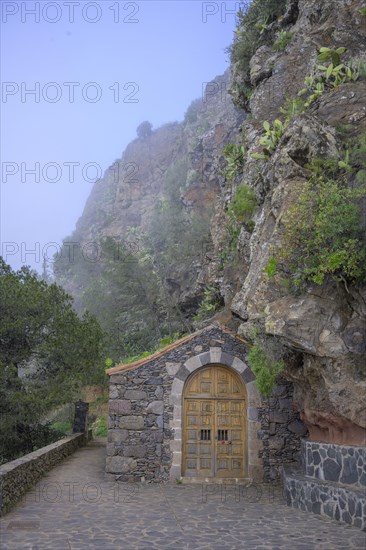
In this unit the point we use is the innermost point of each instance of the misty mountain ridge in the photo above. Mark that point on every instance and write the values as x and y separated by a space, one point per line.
149 217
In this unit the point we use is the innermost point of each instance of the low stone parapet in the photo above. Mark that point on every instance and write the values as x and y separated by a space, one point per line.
331 482
18 476
326 498
343 464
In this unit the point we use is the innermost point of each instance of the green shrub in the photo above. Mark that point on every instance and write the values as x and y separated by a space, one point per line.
144 130
240 212
327 77
101 429
344 129
137 357
323 234
334 56
351 161
271 267
62 426
283 38
235 159
270 139
361 177
357 157
252 31
292 107
265 369
243 203
229 253
254 19
325 167
210 303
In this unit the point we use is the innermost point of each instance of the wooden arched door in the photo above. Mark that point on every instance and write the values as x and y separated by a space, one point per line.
214 424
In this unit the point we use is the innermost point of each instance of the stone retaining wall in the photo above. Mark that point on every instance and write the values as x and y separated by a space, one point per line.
332 482
338 463
18 476
325 498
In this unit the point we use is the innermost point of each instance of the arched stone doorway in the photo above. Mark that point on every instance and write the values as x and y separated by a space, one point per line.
216 356
214 424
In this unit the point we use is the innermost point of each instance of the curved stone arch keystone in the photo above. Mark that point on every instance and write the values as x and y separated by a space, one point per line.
217 356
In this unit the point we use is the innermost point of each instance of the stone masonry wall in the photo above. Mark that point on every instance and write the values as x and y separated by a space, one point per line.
338 463
17 476
140 433
332 482
281 430
325 498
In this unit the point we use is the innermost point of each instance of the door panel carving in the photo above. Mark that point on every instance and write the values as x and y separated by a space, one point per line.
214 443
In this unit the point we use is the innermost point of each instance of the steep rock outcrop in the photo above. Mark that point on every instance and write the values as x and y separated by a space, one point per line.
326 326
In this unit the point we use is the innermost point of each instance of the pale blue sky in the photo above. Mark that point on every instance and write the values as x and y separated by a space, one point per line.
156 55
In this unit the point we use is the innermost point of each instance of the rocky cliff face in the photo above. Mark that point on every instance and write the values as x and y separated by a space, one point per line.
323 325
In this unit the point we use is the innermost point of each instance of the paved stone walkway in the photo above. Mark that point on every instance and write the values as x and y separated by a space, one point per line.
74 508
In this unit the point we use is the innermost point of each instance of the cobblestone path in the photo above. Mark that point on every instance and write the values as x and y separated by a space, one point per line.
74 508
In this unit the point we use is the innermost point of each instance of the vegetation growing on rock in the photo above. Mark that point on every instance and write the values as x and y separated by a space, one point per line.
235 158
255 22
243 203
265 369
323 234
210 303
144 130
